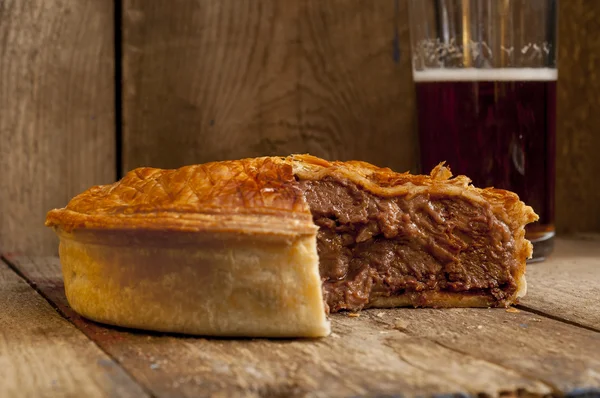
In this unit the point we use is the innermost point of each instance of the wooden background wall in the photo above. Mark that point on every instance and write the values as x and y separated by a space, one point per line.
202 80
57 112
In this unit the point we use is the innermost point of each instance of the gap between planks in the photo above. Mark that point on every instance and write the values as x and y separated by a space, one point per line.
526 308
566 287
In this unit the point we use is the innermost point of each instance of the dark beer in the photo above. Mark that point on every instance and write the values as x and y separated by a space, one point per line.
496 126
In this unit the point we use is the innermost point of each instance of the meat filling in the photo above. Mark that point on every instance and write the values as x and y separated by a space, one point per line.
372 246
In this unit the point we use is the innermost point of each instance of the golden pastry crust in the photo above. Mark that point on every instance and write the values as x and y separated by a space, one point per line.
203 283
174 199
210 196
223 249
229 248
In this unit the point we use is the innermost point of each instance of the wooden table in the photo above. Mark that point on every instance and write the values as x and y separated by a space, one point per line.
548 345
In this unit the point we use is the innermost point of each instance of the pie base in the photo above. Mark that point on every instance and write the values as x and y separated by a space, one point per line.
218 284
438 299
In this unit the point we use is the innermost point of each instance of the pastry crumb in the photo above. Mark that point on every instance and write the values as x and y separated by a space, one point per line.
512 310
401 324
353 315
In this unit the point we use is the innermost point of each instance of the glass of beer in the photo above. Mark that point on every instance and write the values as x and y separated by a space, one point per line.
485 75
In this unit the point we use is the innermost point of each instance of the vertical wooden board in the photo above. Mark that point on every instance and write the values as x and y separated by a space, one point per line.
201 78
221 79
567 284
578 119
356 92
43 355
57 134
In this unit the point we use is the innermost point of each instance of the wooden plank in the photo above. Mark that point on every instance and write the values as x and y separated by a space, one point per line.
578 119
567 285
57 125
565 357
43 355
220 79
381 352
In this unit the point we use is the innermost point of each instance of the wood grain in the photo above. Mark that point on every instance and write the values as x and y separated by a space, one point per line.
380 352
43 355
567 285
578 119
56 111
565 357
220 79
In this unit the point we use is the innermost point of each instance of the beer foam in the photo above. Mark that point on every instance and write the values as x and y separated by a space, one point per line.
489 74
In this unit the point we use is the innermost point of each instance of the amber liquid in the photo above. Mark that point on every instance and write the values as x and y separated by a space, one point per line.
498 129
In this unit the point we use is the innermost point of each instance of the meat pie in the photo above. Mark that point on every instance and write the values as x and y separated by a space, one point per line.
269 246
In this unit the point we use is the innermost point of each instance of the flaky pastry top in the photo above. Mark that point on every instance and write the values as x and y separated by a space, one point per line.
218 195
255 193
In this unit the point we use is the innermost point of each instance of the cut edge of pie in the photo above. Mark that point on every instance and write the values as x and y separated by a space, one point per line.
505 206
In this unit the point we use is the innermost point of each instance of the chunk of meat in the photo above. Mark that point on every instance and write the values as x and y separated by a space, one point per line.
371 246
